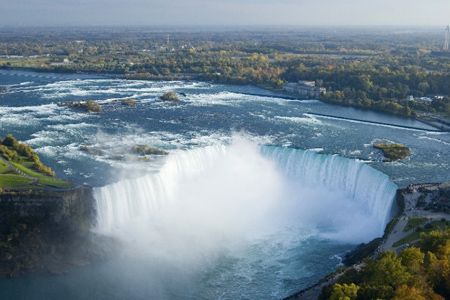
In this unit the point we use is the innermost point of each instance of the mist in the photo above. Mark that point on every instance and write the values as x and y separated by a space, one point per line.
212 202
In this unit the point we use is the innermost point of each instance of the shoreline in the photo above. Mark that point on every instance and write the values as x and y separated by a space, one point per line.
407 199
441 127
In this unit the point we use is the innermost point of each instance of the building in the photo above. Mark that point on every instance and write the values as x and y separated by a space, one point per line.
305 89
410 98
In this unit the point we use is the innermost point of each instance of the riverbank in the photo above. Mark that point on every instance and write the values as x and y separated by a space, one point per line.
412 200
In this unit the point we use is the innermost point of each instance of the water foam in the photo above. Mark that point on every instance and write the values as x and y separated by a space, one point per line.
295 188
363 190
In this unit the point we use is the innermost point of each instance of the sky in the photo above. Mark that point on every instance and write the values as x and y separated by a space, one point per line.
224 12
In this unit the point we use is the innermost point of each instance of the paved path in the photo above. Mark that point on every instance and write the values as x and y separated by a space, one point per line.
409 212
35 181
11 167
396 234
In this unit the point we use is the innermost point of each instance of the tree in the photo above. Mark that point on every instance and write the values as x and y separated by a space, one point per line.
344 292
405 292
387 270
10 141
412 259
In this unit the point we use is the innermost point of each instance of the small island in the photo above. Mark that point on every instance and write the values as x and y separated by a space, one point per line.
146 150
138 150
392 152
169 96
89 106
92 150
128 102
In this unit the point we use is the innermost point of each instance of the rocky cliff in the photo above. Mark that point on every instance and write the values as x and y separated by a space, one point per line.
48 231
63 210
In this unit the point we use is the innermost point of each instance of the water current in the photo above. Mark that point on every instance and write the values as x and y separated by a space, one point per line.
258 198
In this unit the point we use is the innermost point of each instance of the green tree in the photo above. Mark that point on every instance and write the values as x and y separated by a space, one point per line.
10 141
412 259
386 270
344 292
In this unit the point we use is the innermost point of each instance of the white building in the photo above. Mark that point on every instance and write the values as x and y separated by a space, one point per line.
306 89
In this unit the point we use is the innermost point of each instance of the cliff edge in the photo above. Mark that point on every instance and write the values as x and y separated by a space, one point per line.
48 231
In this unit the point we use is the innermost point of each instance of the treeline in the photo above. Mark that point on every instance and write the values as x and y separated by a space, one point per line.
17 152
421 273
370 68
378 83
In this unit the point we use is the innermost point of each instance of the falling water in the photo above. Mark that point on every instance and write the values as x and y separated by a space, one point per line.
244 207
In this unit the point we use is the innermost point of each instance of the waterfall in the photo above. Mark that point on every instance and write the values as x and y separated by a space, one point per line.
356 183
140 197
362 183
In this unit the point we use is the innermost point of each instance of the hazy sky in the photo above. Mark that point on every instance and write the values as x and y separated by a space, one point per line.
225 12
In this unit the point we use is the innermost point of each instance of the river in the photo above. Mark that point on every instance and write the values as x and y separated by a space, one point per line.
258 198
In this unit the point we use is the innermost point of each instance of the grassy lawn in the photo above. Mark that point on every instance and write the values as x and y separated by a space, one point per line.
29 172
54 182
13 180
3 166
43 179
414 222
435 225
34 179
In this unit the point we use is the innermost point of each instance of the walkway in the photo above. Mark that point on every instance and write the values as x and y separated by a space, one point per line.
411 199
35 181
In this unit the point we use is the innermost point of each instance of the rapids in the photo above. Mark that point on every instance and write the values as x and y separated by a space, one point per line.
259 215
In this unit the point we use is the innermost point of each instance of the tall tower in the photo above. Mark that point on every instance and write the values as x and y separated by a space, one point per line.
447 37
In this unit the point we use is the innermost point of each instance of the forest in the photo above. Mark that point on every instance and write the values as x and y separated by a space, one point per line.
374 68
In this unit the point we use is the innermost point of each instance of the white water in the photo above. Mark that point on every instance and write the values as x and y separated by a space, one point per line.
218 201
363 186
234 174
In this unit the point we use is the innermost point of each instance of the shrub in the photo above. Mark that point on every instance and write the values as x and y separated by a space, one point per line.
169 96
129 102
10 155
10 141
93 106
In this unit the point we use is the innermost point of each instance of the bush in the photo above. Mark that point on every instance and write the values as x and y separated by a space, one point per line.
10 155
129 102
93 106
169 96
89 106
10 141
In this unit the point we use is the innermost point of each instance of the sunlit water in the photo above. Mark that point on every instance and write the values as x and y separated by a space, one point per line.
258 198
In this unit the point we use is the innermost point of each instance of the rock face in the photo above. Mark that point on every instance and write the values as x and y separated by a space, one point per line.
48 231
70 210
